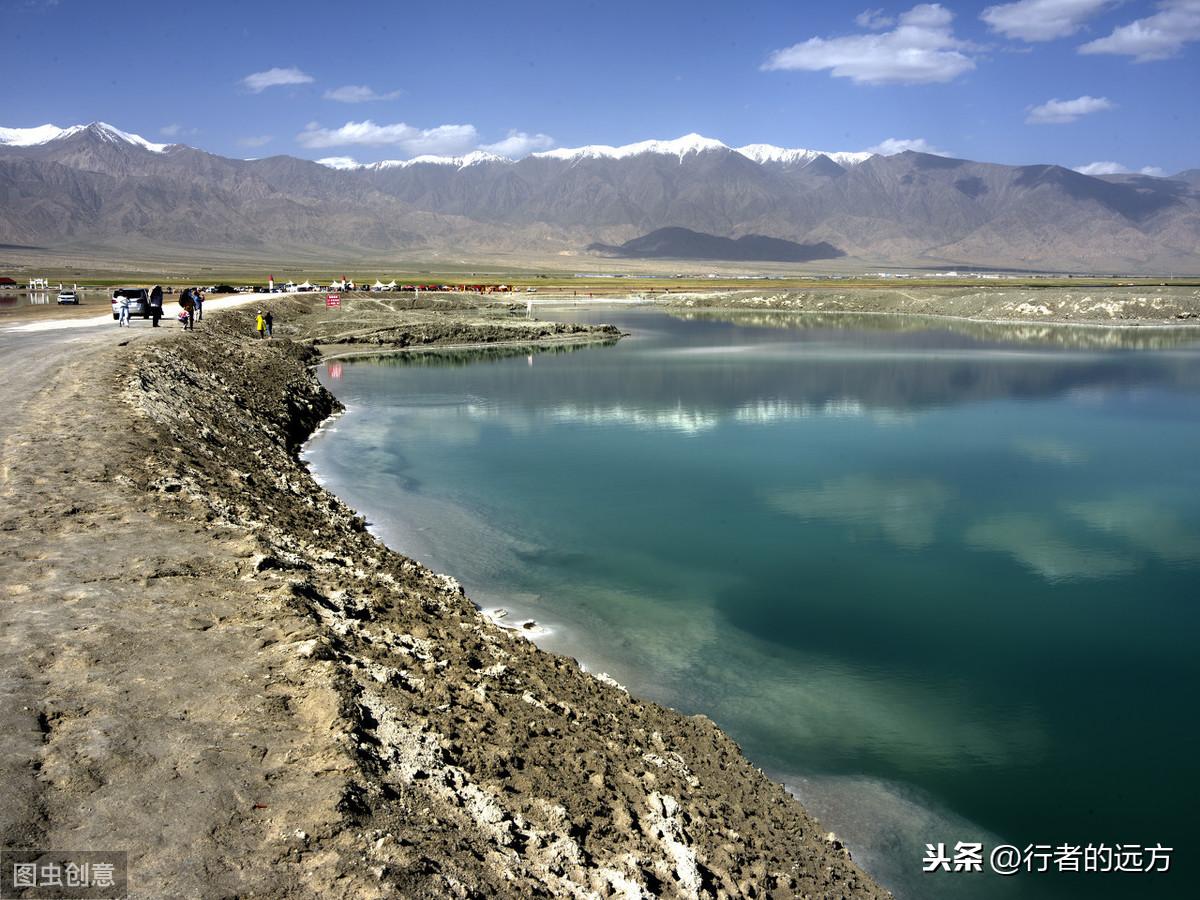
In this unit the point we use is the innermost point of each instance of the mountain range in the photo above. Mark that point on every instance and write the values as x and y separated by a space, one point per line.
98 188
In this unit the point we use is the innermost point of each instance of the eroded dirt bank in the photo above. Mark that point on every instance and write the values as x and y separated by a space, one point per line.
209 660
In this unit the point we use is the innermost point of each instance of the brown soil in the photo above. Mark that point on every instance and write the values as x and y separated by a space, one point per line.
209 662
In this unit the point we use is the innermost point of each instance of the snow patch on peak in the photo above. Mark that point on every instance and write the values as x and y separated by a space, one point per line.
459 162
116 135
680 147
44 134
29 137
764 153
480 156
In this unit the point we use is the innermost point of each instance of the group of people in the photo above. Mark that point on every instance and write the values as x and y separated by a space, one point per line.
264 324
191 302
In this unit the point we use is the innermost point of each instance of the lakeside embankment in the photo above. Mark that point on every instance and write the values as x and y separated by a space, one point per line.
212 658
1135 305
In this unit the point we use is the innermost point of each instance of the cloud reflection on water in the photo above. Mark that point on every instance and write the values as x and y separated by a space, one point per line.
906 511
1041 545
1142 524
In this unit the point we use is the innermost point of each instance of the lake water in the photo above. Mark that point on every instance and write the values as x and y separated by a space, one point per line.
939 579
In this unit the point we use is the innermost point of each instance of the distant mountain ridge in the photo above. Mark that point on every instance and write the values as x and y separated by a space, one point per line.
683 243
99 187
689 143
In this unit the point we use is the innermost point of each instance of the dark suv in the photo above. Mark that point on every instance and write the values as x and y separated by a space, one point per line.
139 302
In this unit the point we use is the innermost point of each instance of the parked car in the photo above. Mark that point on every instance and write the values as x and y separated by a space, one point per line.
68 297
223 289
139 302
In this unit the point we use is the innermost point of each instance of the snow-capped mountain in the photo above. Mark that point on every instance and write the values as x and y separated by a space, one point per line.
769 153
44 134
457 162
680 148
96 186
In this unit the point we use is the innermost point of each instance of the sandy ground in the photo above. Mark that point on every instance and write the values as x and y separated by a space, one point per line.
206 660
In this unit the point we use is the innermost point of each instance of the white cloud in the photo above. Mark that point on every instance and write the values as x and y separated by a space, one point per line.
1060 112
1042 20
921 49
1102 168
1159 36
358 93
874 19
1114 168
447 140
171 130
519 144
255 140
340 162
260 81
892 146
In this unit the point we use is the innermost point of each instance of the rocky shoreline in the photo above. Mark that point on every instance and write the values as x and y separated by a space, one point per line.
395 743
1139 305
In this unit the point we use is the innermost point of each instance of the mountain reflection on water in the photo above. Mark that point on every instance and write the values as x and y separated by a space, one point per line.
1080 337
894 365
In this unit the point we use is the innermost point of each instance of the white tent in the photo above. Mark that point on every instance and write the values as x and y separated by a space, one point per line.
305 287
378 286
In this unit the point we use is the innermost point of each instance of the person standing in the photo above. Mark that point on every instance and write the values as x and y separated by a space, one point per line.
269 321
198 300
123 310
260 324
188 303
156 304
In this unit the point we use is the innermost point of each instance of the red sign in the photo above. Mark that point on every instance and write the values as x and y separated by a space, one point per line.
333 300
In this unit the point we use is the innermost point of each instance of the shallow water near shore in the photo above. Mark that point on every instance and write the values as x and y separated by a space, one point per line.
941 581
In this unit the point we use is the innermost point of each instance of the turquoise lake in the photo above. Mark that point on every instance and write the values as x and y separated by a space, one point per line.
940 579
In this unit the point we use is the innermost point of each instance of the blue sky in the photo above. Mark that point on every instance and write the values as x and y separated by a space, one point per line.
1073 82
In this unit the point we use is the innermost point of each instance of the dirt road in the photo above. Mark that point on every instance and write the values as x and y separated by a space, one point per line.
135 689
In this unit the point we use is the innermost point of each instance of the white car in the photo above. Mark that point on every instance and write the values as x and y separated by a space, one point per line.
139 302
68 297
